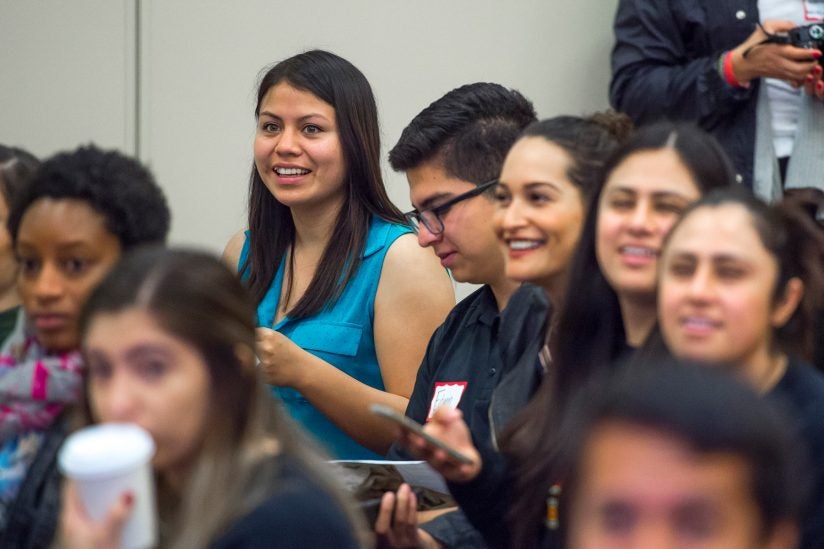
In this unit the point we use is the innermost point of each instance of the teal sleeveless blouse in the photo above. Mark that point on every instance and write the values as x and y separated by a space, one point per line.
341 334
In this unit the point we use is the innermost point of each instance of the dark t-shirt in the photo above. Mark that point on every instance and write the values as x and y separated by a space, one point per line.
801 391
300 514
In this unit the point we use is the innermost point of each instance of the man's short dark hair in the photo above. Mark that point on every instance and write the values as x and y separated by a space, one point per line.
469 131
118 187
710 412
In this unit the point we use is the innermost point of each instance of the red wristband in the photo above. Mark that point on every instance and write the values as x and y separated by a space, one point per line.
729 74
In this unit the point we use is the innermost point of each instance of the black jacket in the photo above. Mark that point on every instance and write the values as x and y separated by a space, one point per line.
32 519
665 65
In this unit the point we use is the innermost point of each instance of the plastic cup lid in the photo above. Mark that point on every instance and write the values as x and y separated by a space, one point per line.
105 450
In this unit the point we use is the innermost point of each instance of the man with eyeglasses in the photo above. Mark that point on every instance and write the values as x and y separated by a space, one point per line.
452 153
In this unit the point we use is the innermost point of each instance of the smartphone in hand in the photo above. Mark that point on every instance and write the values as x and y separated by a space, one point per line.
417 428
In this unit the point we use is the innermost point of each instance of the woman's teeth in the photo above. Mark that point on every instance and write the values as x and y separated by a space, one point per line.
291 171
524 244
639 251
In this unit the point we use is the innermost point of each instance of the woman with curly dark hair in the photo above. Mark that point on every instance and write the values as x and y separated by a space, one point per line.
69 227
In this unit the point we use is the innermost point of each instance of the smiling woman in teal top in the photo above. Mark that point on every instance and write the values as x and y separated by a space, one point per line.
346 299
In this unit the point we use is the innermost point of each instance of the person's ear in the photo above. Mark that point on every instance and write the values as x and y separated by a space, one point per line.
787 303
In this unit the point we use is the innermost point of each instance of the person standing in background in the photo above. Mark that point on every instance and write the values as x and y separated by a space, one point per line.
708 61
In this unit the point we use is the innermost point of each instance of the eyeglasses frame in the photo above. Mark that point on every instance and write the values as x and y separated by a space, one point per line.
441 209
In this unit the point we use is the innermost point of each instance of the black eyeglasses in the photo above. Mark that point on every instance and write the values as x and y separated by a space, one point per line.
432 218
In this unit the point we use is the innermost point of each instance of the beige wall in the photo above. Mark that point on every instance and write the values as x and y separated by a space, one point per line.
69 76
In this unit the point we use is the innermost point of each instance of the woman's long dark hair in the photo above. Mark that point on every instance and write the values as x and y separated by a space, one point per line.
590 333
271 228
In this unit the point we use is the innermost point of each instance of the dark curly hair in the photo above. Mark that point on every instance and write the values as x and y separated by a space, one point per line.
114 185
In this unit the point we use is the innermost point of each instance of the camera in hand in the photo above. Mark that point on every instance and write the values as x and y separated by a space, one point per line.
810 37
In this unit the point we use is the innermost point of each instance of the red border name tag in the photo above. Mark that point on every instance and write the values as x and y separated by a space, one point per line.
447 393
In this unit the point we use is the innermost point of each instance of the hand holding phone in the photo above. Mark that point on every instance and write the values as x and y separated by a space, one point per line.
417 428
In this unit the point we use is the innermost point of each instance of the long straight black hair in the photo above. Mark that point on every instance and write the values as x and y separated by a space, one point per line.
590 332
337 82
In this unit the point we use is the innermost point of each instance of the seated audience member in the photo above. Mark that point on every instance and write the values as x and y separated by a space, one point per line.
545 180
169 341
681 458
16 168
712 63
69 226
739 285
346 299
609 310
452 153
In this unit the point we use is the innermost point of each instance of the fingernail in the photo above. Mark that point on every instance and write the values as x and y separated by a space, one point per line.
128 498
819 86
809 78
815 53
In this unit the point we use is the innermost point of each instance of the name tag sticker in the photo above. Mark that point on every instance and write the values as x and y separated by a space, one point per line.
814 10
447 393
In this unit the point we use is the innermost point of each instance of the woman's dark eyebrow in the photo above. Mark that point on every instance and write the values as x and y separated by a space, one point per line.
301 119
140 349
534 184
627 190
669 194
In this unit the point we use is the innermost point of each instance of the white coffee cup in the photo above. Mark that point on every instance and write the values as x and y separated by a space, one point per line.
107 460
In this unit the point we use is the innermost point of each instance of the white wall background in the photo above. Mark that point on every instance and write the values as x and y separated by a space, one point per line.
67 74
174 81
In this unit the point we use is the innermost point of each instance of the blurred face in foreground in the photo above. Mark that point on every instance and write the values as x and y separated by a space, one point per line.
140 373
645 489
